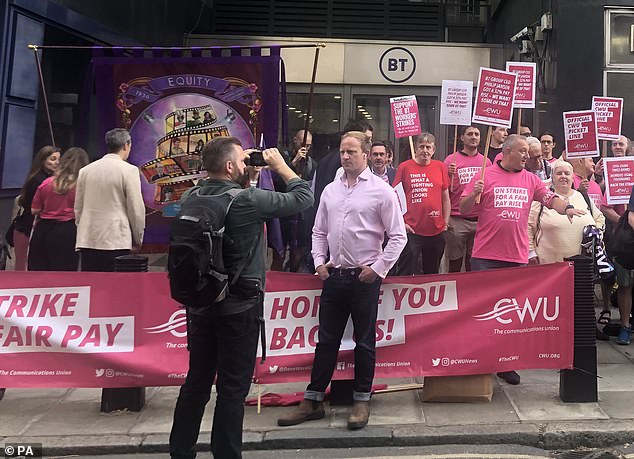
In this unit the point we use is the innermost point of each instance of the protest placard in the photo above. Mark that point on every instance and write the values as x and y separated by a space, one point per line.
619 178
494 99
455 102
525 87
580 129
405 116
609 112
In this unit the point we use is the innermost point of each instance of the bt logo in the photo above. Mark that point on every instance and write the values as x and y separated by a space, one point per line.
397 64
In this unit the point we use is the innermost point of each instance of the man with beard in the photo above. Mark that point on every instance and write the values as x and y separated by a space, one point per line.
223 337
378 162
498 136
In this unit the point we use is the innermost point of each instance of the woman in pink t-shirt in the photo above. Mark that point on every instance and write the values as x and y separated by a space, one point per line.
52 245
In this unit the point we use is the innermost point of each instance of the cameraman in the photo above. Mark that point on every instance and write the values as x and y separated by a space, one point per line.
223 338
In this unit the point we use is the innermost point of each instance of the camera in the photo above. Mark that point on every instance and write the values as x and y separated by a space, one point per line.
255 158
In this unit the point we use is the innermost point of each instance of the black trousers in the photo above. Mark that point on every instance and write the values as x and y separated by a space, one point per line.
100 260
224 346
343 297
52 246
431 248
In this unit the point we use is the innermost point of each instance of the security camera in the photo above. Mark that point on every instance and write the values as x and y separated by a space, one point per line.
519 35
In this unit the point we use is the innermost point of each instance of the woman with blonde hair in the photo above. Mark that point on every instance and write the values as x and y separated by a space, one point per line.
52 246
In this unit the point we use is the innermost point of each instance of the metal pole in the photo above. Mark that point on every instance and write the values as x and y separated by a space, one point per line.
302 164
44 96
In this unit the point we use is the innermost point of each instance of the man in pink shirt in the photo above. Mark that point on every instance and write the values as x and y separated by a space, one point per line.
547 139
355 211
583 179
462 167
425 183
506 193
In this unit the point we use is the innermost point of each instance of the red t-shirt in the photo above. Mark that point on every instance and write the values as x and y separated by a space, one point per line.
423 187
466 168
52 205
502 230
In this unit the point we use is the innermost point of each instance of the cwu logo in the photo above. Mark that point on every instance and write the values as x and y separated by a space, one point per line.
508 309
176 325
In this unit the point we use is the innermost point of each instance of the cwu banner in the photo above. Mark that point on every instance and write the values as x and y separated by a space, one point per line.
76 330
173 106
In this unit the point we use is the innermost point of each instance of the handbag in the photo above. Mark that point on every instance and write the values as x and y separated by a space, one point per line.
622 242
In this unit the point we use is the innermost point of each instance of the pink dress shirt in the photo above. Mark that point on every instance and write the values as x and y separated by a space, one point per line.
351 222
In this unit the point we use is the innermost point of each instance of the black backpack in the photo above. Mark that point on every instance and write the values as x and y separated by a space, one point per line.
195 263
622 242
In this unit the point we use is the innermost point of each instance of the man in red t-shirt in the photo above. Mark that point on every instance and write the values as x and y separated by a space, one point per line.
425 184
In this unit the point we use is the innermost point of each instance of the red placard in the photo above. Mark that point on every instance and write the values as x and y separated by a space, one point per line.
525 87
405 116
609 113
619 178
494 99
580 129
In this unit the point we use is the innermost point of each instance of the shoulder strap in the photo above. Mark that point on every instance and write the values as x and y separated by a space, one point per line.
586 198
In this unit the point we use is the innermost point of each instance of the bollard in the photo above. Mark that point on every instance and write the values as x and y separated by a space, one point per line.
580 383
125 398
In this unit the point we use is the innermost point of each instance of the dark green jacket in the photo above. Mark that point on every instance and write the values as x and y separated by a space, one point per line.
245 224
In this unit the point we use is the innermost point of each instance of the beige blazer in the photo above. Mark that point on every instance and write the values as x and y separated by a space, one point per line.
109 209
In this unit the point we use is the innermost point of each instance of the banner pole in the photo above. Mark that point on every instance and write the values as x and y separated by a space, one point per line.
44 96
519 119
455 145
484 161
302 164
411 146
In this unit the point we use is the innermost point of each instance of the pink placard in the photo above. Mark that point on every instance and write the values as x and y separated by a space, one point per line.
525 86
580 129
609 113
619 178
494 99
405 116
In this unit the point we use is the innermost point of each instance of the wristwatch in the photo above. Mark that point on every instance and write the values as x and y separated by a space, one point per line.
569 206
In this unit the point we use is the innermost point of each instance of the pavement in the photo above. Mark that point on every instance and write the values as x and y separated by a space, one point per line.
69 422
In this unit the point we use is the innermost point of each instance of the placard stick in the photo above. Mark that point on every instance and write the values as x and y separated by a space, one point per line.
519 119
455 145
259 398
604 150
484 161
411 146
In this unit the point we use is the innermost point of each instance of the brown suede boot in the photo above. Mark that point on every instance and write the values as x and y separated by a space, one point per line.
359 415
307 410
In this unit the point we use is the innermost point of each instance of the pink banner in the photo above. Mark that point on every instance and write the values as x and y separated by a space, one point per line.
124 330
619 178
609 112
438 325
580 130
494 99
525 88
405 116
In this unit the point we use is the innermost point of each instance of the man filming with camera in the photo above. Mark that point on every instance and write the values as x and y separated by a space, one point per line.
223 337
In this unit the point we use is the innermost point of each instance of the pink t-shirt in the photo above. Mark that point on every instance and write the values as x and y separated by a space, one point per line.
423 187
618 208
52 205
594 190
466 168
502 230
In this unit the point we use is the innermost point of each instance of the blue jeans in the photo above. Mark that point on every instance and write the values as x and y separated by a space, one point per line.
483 264
342 297
226 346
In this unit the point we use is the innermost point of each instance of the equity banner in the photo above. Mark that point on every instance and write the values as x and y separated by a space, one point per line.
124 330
435 325
173 107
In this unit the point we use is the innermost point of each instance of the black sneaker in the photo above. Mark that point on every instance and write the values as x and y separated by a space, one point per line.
602 336
510 377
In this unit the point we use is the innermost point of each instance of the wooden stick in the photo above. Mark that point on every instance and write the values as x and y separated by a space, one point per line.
411 146
484 161
302 164
604 150
455 145
44 95
519 119
399 388
259 398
